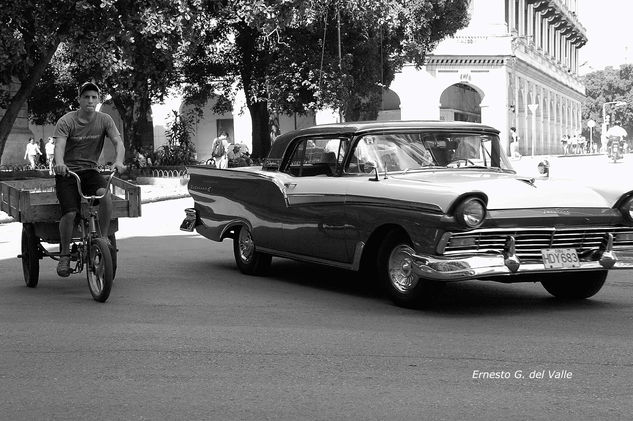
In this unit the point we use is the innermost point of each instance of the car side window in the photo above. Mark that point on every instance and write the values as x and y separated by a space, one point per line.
316 156
389 152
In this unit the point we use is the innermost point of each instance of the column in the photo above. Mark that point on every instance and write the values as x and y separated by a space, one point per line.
531 25
522 11
542 102
524 135
538 31
550 142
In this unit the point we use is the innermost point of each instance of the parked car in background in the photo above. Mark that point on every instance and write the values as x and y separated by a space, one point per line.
414 204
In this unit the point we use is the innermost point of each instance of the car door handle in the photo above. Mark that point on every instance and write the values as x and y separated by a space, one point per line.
290 185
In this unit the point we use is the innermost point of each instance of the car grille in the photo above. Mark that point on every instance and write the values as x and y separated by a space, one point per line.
529 242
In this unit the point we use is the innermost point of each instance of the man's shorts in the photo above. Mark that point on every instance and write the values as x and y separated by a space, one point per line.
67 193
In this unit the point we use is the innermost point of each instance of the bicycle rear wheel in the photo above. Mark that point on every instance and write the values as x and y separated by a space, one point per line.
99 270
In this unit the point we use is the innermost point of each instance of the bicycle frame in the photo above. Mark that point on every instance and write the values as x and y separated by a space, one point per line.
88 225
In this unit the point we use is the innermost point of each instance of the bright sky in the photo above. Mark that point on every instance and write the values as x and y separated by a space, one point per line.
610 33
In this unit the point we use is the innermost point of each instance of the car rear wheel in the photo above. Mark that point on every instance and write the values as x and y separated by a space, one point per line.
575 286
395 269
248 259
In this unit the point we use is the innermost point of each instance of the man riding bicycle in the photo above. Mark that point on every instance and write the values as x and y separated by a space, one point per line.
79 137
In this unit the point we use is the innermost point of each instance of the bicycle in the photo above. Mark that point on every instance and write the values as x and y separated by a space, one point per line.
93 250
33 202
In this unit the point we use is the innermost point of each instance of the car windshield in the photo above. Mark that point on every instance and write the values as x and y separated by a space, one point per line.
417 151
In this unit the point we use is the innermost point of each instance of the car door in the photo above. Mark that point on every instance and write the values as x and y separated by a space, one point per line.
315 225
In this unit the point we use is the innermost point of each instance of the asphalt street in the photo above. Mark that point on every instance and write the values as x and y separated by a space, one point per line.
185 335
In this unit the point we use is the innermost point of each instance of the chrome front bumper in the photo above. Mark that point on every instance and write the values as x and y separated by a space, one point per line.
465 267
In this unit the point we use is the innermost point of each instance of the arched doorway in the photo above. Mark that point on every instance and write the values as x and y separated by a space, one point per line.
460 102
390 106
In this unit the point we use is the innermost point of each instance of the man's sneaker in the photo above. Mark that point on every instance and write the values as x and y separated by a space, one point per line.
63 267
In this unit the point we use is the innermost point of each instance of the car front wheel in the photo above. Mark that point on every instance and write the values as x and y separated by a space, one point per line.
395 269
575 286
248 259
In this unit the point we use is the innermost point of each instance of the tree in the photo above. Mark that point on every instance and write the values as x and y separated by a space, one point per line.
30 33
134 60
609 85
285 55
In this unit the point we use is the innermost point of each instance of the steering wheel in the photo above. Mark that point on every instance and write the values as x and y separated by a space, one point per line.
458 160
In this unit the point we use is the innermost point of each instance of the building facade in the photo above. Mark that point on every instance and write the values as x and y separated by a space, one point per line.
515 65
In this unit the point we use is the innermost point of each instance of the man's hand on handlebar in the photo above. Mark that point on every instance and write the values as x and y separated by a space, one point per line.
61 169
118 167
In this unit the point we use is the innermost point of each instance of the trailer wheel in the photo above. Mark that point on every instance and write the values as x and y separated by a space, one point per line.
30 255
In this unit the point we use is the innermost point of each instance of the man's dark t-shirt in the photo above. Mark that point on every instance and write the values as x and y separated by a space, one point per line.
84 141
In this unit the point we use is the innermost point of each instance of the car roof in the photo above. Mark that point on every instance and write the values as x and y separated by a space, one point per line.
278 148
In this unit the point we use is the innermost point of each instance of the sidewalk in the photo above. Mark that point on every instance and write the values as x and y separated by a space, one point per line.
152 190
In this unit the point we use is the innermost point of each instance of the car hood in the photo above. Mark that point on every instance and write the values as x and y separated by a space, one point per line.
508 191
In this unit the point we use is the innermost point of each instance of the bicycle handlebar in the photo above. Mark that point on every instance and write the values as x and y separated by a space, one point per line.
93 197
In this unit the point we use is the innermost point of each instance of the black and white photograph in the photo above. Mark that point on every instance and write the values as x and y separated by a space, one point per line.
316 210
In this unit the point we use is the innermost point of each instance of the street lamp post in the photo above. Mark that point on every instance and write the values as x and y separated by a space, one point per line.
533 108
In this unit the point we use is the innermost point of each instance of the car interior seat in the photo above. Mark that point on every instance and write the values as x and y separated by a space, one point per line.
329 158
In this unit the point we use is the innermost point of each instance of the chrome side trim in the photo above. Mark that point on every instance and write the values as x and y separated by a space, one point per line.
358 254
342 265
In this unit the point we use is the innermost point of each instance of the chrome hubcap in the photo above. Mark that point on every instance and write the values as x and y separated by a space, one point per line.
401 274
246 245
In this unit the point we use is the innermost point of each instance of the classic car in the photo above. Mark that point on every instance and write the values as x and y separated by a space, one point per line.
414 204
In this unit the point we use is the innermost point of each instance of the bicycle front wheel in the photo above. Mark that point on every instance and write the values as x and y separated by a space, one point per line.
99 270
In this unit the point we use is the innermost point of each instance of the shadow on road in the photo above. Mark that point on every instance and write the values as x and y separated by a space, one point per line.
470 298
167 266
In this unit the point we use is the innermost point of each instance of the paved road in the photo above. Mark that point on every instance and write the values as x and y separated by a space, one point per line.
186 336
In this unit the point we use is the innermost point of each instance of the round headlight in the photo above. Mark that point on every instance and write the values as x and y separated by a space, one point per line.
627 209
471 212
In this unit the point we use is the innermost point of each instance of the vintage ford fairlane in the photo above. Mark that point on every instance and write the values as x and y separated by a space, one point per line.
414 204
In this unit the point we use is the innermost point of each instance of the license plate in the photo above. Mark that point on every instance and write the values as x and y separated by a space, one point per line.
560 258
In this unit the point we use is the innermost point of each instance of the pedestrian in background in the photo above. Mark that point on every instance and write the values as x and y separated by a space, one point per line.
573 142
219 150
50 154
31 153
514 143
582 143
564 142
274 133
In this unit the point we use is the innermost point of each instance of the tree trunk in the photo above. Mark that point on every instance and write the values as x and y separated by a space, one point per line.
125 107
144 125
261 134
20 97
135 112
